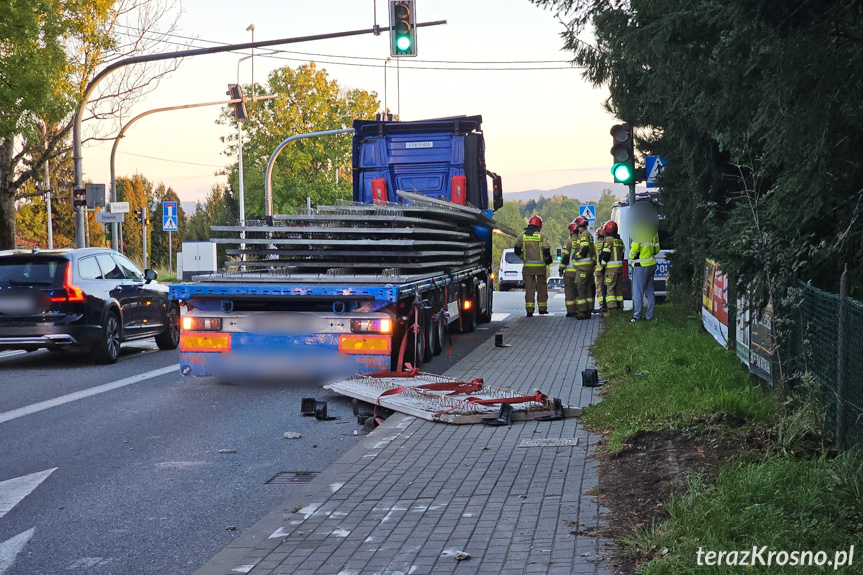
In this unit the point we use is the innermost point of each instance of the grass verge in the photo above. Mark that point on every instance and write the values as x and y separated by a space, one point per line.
787 495
675 375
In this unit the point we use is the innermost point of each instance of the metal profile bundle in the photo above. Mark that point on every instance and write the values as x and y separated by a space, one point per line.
361 241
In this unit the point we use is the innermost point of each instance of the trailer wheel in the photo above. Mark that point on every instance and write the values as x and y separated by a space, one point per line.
429 332
439 332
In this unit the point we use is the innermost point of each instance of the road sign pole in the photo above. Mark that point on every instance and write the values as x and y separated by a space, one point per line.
170 255
631 195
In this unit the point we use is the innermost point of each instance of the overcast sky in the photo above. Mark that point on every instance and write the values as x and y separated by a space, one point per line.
544 128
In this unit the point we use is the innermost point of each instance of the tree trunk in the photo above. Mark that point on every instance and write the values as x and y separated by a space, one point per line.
7 195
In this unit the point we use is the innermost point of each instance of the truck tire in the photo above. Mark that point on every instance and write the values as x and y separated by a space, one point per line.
439 332
429 332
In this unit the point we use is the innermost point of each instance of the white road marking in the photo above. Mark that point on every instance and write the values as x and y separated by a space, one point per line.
10 549
499 316
12 491
63 399
340 532
242 569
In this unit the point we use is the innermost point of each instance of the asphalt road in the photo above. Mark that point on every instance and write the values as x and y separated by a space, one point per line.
131 468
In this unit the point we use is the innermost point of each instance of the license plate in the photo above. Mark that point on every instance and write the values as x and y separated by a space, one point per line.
18 304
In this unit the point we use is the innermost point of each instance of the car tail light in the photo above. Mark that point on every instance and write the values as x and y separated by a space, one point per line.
73 292
201 323
371 325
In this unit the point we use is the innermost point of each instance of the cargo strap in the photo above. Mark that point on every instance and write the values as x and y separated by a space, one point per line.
537 397
418 333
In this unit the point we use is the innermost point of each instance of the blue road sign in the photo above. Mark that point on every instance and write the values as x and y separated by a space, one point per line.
169 216
653 166
588 211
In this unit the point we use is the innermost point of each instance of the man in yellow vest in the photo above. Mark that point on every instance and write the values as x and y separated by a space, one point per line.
577 260
533 248
643 258
611 259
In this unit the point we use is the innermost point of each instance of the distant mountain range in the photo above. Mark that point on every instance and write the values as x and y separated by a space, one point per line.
586 192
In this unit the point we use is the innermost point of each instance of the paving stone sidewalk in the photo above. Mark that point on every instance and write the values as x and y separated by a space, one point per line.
414 494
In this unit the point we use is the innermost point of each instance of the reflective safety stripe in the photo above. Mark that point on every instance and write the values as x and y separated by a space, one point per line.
570 302
569 269
649 261
616 263
534 265
590 300
579 301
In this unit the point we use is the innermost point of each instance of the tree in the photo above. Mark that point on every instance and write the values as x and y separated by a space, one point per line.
755 105
138 191
51 49
320 168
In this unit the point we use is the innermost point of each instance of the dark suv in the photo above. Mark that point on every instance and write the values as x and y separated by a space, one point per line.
91 298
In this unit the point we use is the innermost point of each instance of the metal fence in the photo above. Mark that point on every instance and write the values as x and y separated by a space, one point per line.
825 339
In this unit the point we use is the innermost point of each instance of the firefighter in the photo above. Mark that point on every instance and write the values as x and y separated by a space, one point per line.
533 248
643 258
599 273
611 257
578 262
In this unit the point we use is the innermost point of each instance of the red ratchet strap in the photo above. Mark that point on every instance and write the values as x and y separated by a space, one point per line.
454 387
413 328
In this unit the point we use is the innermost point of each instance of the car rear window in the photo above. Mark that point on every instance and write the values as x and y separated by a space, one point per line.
32 271
511 258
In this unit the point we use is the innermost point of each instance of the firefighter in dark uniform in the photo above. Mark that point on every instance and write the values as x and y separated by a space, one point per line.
599 272
611 256
577 261
533 248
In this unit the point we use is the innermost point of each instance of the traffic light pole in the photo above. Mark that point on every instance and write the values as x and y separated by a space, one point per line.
80 221
144 217
631 194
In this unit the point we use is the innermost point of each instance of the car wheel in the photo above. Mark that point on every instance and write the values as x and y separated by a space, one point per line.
170 338
107 351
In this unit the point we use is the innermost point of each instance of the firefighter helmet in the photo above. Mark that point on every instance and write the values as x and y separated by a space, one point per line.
535 221
609 227
579 222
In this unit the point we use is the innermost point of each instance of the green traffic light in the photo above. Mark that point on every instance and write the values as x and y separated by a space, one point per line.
622 173
403 43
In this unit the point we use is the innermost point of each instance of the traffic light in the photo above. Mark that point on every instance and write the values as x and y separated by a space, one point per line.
403 31
558 253
623 151
79 198
139 215
235 91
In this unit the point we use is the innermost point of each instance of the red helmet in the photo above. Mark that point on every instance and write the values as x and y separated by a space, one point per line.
609 227
579 222
535 221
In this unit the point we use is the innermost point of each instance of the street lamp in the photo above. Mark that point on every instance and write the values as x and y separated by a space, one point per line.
250 28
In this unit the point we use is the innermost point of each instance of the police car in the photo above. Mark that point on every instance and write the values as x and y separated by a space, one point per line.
619 212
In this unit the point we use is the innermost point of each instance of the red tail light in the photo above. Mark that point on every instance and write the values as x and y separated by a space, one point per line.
73 292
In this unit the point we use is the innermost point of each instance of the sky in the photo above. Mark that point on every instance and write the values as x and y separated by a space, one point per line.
543 128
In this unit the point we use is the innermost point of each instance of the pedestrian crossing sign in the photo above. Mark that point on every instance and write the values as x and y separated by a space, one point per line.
588 211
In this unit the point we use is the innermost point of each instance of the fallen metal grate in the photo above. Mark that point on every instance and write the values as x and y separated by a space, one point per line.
290 477
559 442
